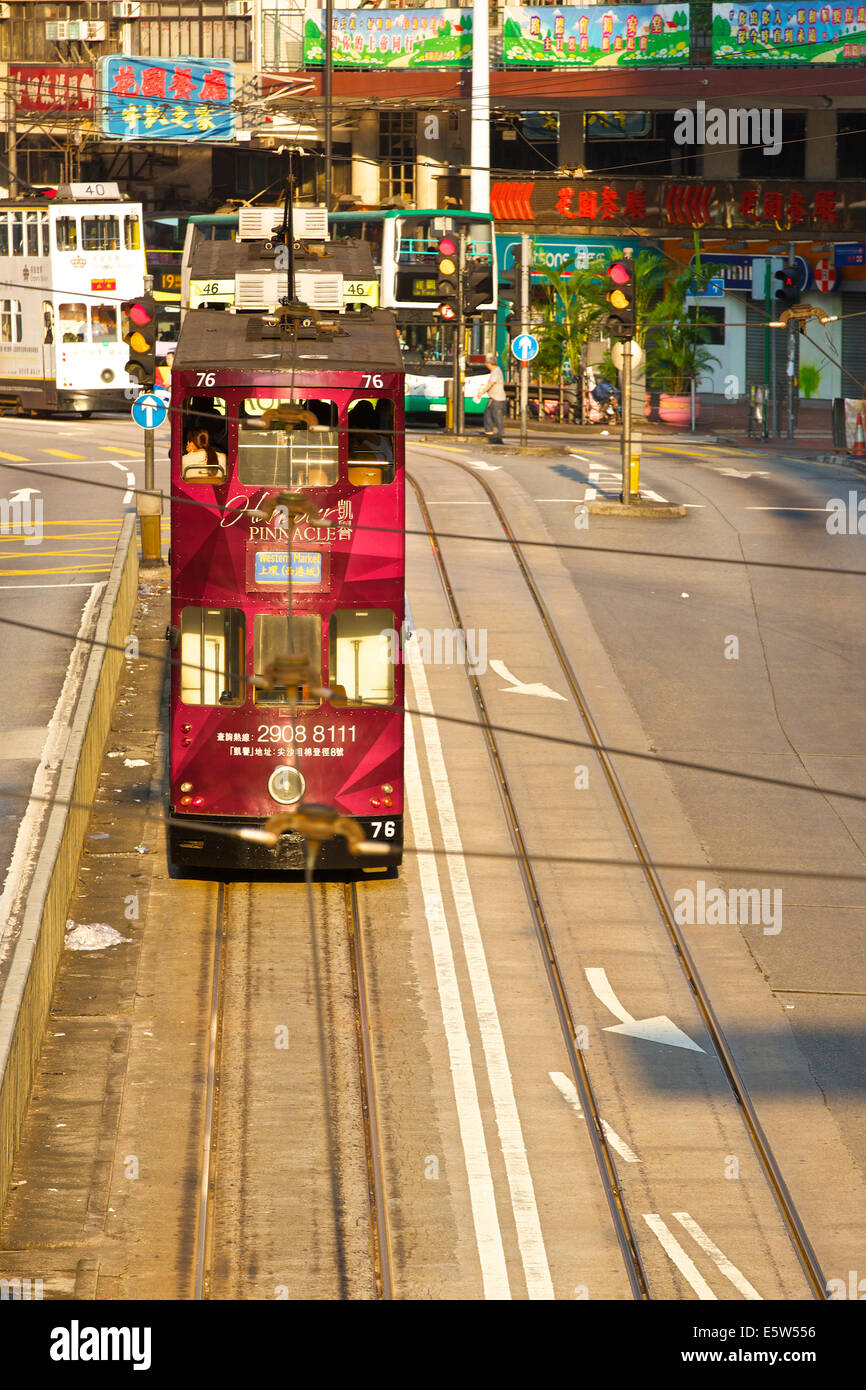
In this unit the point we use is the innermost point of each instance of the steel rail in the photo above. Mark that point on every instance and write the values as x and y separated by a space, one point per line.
598 1138
380 1235
204 1227
766 1158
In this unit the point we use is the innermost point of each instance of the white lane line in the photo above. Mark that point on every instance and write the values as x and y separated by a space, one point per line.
482 1198
130 478
655 496
533 1254
573 454
567 1089
719 1259
785 509
27 841
675 1252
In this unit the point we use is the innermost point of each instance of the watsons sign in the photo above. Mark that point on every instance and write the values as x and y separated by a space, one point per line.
563 253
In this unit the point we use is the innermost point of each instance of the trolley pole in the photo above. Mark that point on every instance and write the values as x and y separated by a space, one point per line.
525 283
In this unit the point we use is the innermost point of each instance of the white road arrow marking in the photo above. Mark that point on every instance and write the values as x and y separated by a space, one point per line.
719 1259
736 473
516 687
23 494
567 1089
675 1251
655 496
484 467
660 1029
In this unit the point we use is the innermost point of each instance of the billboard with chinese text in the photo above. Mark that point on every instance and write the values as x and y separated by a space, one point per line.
392 38
789 33
167 98
569 36
44 88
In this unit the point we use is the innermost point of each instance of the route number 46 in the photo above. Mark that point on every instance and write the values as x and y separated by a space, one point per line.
373 381
390 828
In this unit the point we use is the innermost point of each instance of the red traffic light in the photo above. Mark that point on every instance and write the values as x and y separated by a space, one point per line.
447 246
138 313
446 311
618 272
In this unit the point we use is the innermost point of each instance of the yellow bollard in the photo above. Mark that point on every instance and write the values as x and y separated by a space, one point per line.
634 468
149 507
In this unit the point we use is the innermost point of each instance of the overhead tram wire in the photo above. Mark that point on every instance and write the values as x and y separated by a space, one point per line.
637 754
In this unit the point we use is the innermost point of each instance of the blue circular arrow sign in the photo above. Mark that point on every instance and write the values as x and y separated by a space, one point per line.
525 347
149 411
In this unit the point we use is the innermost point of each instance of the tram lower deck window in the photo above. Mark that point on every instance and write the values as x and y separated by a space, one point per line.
212 654
272 639
288 443
205 440
361 643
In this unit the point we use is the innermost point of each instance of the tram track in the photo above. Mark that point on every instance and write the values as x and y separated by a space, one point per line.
602 1152
378 1277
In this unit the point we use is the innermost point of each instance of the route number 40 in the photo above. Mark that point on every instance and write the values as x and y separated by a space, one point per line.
390 828
206 378
373 381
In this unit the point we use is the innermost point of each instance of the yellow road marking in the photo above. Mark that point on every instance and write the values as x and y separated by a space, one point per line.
16 458
69 569
113 449
61 453
73 540
37 551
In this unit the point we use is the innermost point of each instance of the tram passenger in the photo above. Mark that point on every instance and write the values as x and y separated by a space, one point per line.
367 440
202 463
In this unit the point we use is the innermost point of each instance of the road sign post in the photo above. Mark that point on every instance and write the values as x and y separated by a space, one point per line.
526 281
149 412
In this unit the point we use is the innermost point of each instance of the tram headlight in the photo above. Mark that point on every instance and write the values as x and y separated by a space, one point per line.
286 785
107 375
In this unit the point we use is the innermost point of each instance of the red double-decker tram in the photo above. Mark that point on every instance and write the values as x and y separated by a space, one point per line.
287 573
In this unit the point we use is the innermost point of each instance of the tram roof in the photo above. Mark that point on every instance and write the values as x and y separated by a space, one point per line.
225 341
219 260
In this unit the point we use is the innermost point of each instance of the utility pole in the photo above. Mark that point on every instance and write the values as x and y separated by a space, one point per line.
626 408
328 95
11 142
525 283
479 145
791 355
459 356
148 434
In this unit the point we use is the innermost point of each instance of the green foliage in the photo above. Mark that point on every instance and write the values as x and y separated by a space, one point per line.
810 380
675 340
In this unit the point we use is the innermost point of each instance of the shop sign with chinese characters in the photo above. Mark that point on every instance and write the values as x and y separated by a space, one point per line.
167 99
659 205
40 88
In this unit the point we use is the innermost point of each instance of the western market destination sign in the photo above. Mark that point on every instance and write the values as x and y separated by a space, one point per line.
660 205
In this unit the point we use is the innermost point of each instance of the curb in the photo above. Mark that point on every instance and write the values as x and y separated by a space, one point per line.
26 997
640 506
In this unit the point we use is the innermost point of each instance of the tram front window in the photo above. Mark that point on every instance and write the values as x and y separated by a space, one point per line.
205 440
103 323
100 233
72 323
361 645
212 645
288 443
272 639
371 442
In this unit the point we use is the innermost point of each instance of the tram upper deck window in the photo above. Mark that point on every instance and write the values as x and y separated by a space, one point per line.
103 323
46 239
205 440
212 646
66 233
16 222
100 233
33 232
371 442
4 234
271 640
72 323
131 232
288 443
360 655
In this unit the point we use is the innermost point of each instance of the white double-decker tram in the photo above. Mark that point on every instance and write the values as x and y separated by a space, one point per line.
67 263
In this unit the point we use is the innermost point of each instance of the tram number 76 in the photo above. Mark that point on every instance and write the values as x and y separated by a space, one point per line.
390 828
373 381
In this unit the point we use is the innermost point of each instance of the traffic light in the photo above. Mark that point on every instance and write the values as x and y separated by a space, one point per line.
511 294
788 292
139 334
620 296
478 288
447 276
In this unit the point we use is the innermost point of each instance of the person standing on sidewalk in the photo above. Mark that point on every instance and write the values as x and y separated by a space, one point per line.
493 387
